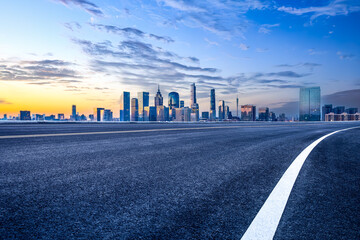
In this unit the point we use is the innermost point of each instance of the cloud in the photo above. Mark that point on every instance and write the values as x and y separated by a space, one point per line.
266 28
84 4
288 74
243 47
334 8
130 32
309 65
262 50
2 101
211 42
43 71
344 56
180 5
72 26
312 51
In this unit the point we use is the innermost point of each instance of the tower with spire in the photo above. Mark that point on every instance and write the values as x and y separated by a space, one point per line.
158 98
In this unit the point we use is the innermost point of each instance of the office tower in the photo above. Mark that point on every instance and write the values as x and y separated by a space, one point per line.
309 109
192 94
25 115
221 110
187 114
205 115
125 107
264 114
5 117
134 109
179 115
248 112
108 115
61 116
212 105
339 109
91 117
143 101
158 98
174 100
182 103
149 113
272 116
73 113
227 112
327 108
237 106
162 113
351 110
99 114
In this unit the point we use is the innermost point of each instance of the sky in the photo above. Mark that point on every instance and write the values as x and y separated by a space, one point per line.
55 53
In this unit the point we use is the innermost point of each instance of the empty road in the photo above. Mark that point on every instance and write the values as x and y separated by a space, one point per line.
175 181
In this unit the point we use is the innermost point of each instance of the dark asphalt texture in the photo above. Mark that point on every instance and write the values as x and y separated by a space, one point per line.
188 184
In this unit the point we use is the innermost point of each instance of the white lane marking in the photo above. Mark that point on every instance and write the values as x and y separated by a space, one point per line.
267 220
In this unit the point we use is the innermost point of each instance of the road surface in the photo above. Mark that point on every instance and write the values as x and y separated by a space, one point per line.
175 181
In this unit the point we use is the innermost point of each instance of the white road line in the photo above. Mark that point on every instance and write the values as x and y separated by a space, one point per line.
267 220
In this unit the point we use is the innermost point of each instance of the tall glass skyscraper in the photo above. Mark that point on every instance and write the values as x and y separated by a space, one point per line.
125 107
221 110
212 105
309 104
134 109
193 94
143 100
174 100
73 112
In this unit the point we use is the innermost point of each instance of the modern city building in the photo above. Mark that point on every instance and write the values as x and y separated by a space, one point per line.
125 106
99 114
351 110
204 115
73 113
309 104
237 107
25 115
192 94
342 117
143 101
193 104
162 113
227 112
158 98
212 105
149 113
339 109
61 116
182 103
134 109
327 108
174 100
108 115
248 112
264 114
221 110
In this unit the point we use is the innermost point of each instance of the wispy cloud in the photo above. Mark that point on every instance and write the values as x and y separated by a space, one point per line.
88 6
243 46
266 28
2 101
181 5
345 56
72 26
130 32
334 8
262 50
308 65
211 42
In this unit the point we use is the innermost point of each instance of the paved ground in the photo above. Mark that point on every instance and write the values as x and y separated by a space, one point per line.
181 184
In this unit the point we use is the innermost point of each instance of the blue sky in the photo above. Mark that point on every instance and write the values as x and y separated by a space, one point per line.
89 51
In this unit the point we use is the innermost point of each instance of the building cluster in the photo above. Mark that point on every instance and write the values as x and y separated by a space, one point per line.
309 108
139 110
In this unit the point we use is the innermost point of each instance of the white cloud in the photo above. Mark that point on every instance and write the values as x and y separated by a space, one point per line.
266 28
211 42
243 47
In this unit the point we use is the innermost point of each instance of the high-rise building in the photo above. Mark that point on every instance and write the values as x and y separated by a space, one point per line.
339 109
174 100
227 112
182 103
158 98
221 110
25 115
351 110
108 115
125 107
212 105
61 116
134 109
205 115
162 113
264 114
99 114
192 94
73 113
237 106
248 112
143 101
327 108
309 109
149 113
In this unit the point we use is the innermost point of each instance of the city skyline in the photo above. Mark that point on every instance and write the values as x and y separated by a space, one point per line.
88 52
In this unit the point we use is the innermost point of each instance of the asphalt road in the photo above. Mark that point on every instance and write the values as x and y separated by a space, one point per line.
200 183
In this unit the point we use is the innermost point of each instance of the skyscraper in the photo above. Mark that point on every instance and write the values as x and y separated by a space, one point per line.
221 110
309 109
125 106
192 94
264 114
327 108
182 104
174 100
108 115
134 109
248 113
25 115
237 106
73 112
158 98
212 105
99 114
143 101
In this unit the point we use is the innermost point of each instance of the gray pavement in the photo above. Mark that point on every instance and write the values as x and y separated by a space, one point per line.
181 184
